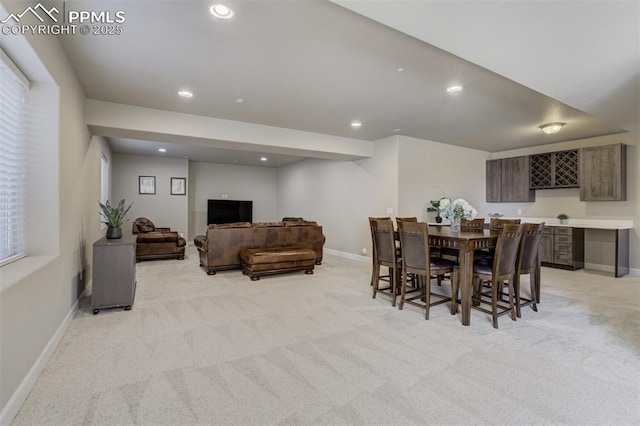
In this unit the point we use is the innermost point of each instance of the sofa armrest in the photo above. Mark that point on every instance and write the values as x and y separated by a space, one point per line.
163 229
200 242
158 237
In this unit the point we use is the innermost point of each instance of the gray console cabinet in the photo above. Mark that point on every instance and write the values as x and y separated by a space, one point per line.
114 273
562 247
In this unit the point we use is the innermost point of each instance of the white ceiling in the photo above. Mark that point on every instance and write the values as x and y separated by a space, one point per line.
316 66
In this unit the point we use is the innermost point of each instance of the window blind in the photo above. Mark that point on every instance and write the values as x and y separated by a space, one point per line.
12 161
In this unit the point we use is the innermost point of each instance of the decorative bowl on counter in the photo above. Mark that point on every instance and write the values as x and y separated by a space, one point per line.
496 215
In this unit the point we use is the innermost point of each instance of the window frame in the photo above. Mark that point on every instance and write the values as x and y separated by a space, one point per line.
16 247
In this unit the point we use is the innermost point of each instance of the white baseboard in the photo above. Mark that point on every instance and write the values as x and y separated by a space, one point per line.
346 255
633 272
10 410
599 267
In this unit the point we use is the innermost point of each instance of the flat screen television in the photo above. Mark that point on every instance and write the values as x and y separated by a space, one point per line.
229 211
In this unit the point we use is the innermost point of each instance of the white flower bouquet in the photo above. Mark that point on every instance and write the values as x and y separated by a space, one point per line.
457 210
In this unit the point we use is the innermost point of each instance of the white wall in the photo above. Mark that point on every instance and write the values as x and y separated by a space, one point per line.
39 293
551 202
341 195
210 181
428 170
162 208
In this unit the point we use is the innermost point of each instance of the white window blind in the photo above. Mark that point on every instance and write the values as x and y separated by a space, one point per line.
12 161
104 183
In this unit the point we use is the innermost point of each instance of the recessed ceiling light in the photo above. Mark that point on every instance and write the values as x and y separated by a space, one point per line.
263 158
400 69
454 88
221 11
162 149
356 124
185 94
239 100
552 128
397 130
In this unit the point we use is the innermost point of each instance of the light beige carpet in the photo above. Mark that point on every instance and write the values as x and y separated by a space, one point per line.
300 349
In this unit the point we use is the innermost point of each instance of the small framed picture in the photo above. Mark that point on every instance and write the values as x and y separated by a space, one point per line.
178 186
146 184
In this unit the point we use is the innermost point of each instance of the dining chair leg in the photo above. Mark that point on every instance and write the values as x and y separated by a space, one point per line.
533 279
455 289
393 277
516 290
496 287
427 285
404 289
376 279
511 298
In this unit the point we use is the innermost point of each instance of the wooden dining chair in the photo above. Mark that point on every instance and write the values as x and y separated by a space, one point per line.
385 254
373 248
527 262
502 269
472 225
417 260
496 224
412 219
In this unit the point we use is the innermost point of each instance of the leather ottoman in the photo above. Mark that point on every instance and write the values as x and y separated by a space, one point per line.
276 260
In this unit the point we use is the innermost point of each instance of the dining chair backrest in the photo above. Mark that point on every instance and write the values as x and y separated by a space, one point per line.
504 262
473 225
384 246
405 219
497 224
414 237
531 236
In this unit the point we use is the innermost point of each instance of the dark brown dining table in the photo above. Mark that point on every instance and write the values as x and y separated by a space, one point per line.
465 242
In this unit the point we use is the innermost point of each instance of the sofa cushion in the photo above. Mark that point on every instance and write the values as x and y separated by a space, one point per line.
268 224
158 237
274 255
301 223
230 225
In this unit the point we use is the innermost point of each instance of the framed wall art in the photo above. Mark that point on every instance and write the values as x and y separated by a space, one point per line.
146 184
178 186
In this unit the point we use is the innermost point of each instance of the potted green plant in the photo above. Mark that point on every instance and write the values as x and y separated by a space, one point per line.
114 217
564 219
435 207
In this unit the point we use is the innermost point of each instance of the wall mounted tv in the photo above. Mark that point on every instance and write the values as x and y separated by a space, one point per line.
229 211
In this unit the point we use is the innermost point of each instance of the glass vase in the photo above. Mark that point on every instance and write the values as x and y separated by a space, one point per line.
455 225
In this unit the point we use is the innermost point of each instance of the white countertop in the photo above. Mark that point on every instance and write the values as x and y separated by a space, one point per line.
583 223
572 223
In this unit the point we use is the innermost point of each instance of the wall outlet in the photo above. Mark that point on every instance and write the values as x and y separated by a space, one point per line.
519 211
364 250
389 210
224 196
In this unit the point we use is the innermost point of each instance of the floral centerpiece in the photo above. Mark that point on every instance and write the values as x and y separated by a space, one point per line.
455 211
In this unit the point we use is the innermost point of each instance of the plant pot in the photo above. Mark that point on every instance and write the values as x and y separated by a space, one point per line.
438 219
564 221
114 233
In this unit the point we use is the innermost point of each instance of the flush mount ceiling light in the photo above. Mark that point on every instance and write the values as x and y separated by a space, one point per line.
185 93
239 100
221 11
356 124
454 88
263 158
552 128
162 149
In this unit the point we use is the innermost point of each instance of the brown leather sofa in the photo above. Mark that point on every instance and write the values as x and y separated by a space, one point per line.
220 248
157 243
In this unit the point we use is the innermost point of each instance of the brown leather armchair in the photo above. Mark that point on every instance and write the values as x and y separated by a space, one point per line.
157 243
